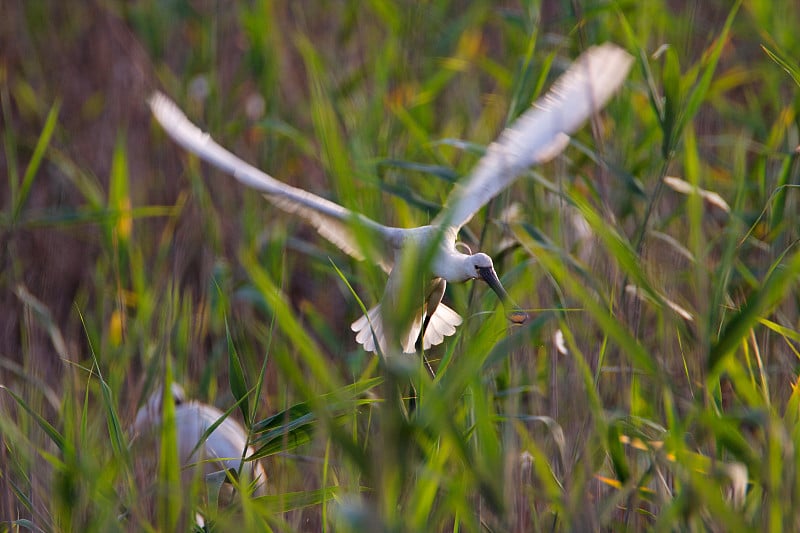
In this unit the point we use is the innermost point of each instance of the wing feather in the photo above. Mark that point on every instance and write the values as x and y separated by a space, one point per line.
442 324
331 220
542 132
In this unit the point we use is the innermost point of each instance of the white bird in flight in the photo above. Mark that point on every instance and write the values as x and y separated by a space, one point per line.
540 134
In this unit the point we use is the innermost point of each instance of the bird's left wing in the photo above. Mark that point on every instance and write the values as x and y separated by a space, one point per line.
542 132
331 220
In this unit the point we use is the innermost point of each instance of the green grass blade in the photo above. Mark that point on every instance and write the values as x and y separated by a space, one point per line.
290 501
57 438
334 153
36 159
785 62
236 376
119 196
761 302
170 498
213 427
299 339
698 95
673 100
601 313
294 426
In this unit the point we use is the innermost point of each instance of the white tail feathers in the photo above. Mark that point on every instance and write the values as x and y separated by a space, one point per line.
369 329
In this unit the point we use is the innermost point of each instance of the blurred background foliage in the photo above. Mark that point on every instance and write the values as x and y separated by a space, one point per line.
655 387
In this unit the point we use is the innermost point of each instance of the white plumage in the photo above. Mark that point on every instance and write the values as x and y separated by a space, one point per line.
537 136
222 450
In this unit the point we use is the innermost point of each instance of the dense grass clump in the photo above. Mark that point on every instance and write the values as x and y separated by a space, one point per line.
654 387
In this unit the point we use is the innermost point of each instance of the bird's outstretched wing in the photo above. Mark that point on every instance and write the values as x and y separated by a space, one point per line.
331 220
542 132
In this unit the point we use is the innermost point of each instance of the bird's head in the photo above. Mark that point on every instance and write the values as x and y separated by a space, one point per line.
480 266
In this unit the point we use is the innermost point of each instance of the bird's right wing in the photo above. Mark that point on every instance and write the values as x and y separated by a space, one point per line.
331 220
542 132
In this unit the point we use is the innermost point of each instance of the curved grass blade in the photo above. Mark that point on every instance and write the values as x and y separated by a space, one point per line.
236 376
53 433
294 426
291 501
169 475
36 159
760 303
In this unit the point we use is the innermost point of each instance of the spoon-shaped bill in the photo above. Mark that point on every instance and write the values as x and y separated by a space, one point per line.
488 274
518 316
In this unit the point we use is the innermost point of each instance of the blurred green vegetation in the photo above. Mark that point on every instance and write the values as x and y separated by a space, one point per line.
653 389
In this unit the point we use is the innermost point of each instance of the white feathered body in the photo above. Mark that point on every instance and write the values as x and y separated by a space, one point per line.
222 450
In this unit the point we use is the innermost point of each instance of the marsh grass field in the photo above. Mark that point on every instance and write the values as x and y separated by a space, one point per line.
654 387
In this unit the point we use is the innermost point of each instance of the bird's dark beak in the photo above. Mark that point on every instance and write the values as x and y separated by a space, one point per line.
488 274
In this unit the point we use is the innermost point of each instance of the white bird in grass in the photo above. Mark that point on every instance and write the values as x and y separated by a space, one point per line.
223 449
539 135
